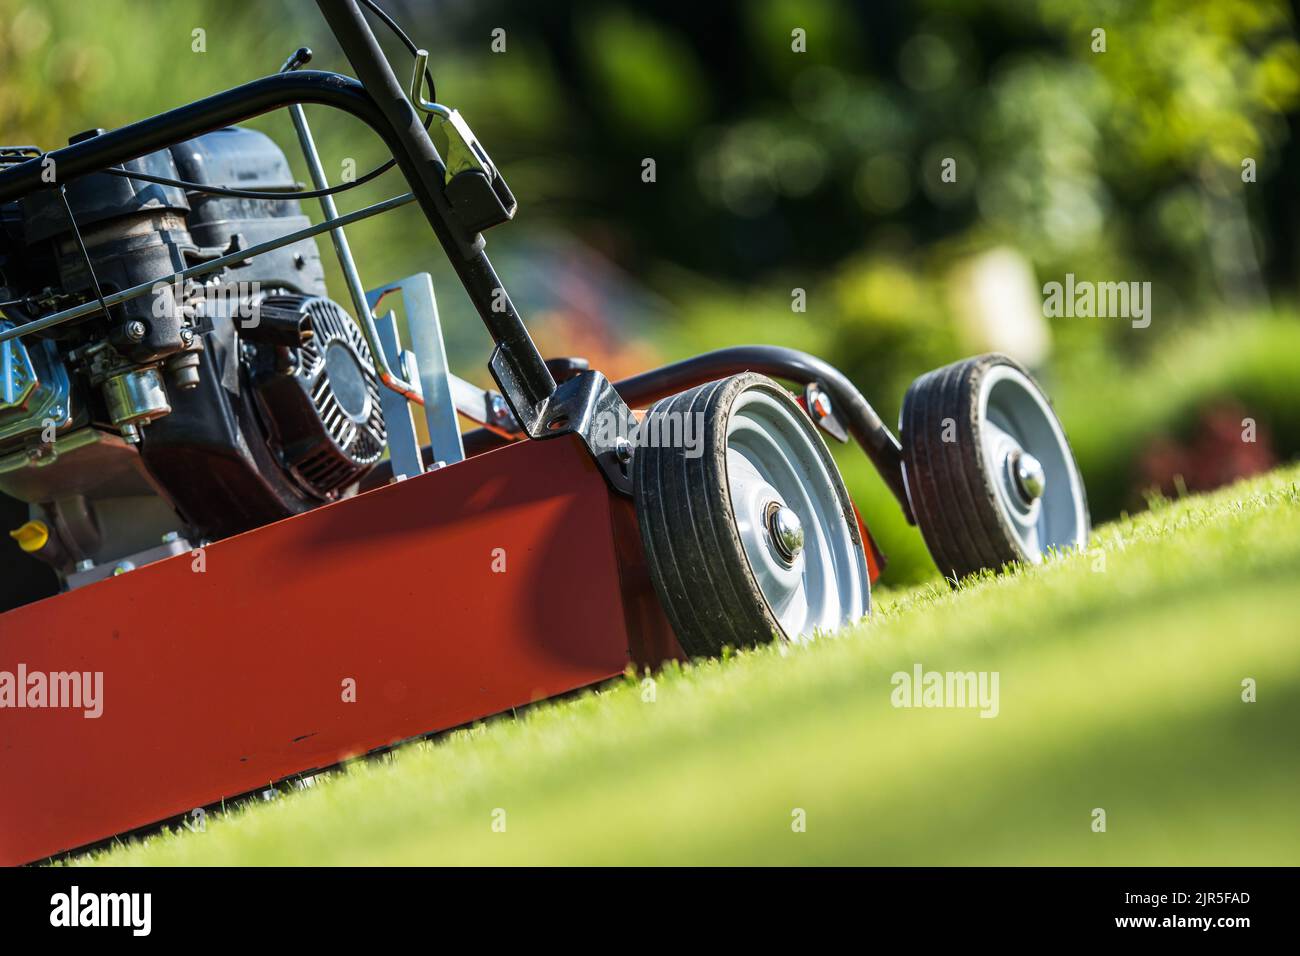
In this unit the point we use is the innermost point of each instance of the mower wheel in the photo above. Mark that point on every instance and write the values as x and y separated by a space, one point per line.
748 530
989 472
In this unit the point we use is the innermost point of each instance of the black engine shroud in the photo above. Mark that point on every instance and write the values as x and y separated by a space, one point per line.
264 433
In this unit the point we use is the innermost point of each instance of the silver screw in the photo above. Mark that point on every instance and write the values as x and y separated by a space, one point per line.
623 450
135 330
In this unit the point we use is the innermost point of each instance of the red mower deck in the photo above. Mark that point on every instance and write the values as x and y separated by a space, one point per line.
394 590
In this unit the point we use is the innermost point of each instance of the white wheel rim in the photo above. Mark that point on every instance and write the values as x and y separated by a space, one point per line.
770 458
1016 419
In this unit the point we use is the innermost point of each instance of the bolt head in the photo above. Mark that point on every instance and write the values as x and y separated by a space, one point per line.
786 530
821 405
135 330
1030 479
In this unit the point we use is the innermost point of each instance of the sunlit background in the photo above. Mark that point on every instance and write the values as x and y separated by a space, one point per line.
1169 158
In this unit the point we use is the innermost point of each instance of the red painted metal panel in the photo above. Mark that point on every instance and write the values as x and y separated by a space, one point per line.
221 682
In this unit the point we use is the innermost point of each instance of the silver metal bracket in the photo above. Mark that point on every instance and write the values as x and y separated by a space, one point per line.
820 409
403 442
431 363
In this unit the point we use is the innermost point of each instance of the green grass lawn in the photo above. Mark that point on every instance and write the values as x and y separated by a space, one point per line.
1120 687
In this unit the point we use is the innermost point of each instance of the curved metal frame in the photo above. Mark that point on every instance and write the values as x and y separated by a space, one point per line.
851 406
867 428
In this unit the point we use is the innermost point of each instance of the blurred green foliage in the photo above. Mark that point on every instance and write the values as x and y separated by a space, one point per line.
818 169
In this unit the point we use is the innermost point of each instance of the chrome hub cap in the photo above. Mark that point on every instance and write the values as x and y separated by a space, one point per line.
1033 472
791 520
786 531
1026 472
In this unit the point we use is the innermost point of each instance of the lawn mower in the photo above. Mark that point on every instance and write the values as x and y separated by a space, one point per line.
234 563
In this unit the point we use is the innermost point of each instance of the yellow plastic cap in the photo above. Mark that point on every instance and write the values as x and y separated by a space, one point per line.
31 536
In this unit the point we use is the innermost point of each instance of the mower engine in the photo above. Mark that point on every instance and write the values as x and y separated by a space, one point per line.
191 414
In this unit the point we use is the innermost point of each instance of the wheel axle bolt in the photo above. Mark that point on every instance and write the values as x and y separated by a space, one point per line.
1028 473
786 530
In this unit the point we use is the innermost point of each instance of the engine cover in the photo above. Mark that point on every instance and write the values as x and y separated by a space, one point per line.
205 423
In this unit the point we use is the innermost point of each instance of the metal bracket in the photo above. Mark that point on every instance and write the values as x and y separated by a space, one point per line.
464 151
446 394
822 412
585 405
474 187
431 360
403 443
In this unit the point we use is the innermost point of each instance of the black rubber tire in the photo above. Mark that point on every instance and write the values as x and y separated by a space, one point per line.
693 549
952 495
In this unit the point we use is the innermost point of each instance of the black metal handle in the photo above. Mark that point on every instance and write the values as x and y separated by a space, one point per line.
529 384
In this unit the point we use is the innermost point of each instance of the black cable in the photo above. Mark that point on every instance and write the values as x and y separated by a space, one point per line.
298 193
374 8
255 193
90 266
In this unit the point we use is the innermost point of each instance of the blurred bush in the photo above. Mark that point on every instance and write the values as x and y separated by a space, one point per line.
1246 365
